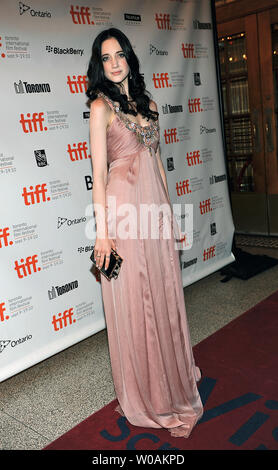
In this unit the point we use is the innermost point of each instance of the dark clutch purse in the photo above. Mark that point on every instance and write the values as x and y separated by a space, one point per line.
114 265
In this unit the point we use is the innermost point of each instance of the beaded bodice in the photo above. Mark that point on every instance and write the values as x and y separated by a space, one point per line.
146 135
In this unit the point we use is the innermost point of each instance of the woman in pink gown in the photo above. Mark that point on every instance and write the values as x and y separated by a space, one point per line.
153 368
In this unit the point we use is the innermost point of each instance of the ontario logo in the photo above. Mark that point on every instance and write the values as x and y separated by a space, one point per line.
3 344
23 8
154 50
69 222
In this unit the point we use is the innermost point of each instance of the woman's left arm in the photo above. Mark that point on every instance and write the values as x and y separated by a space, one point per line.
153 107
162 171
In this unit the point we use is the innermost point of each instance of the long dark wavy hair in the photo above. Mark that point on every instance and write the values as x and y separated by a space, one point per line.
98 81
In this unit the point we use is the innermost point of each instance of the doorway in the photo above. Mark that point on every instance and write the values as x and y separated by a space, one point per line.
248 52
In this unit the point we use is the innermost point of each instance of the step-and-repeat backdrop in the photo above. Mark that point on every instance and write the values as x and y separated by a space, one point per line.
49 297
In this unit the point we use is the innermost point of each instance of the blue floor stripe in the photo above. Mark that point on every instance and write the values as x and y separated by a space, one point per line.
248 428
229 406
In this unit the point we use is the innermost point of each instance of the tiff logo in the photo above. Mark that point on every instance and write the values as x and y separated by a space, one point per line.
205 206
28 266
183 187
161 80
32 124
81 15
3 317
209 253
170 136
35 196
79 152
77 85
62 321
188 51
193 158
194 105
4 234
163 21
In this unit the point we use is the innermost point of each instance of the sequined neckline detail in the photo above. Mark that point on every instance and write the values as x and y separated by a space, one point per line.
146 135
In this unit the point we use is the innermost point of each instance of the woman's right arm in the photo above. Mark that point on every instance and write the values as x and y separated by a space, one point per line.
100 115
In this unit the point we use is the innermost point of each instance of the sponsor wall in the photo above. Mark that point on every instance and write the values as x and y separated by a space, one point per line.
49 295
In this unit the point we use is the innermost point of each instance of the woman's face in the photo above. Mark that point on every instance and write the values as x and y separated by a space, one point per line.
115 66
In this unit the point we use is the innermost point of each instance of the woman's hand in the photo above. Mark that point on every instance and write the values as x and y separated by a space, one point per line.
103 249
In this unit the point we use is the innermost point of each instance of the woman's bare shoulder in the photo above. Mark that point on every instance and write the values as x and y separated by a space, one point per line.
153 105
100 105
100 110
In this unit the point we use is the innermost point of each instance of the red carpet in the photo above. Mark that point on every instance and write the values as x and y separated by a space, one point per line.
239 390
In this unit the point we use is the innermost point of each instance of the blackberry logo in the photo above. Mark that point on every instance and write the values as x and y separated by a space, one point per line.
154 50
64 50
3 344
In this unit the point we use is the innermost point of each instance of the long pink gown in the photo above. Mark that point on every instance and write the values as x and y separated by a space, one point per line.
153 368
